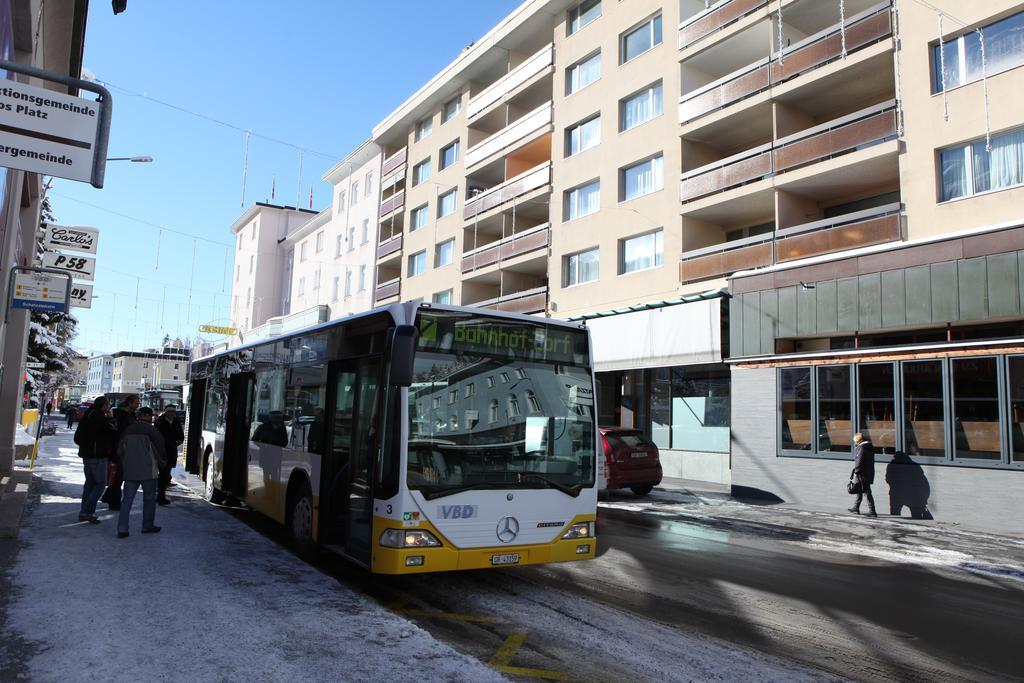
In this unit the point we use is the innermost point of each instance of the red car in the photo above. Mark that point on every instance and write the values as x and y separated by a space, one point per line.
630 460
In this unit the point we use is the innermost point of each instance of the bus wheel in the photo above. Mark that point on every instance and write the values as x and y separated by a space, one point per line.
212 494
300 520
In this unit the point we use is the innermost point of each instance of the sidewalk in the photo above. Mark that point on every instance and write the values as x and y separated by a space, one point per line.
206 599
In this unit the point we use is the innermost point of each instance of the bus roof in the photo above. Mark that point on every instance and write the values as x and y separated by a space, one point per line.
401 313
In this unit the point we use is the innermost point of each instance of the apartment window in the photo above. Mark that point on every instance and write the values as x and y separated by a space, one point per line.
641 252
417 263
451 108
348 283
248 297
302 287
341 201
176 367
580 267
446 203
970 169
583 73
641 39
362 278
316 279
334 288
513 405
303 251
145 363
449 155
252 233
453 396
366 230
445 253
238 271
355 192
368 183
492 411
351 237
418 217
533 405
1004 49
503 376
583 200
469 390
583 14
319 241
583 135
444 297
423 129
640 179
641 107
421 172
337 247
520 373
252 263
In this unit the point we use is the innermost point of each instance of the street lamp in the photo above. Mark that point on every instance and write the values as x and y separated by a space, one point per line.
137 160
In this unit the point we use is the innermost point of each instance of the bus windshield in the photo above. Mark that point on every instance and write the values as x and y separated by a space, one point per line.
500 404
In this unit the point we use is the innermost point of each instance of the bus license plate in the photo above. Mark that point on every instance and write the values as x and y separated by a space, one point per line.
512 558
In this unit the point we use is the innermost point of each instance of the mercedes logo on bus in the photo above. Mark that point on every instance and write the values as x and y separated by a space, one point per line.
508 529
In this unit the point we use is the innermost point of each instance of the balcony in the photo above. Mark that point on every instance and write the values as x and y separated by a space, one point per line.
527 301
537 120
876 225
509 247
394 161
862 29
845 134
387 290
392 180
390 246
513 188
392 203
723 259
716 17
539 63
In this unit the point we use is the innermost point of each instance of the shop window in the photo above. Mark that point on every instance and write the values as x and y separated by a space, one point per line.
1016 414
976 408
876 387
795 409
835 415
690 408
924 422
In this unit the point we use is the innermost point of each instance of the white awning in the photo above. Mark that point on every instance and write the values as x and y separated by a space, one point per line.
684 334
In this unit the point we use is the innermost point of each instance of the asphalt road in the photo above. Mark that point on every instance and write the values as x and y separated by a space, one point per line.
671 598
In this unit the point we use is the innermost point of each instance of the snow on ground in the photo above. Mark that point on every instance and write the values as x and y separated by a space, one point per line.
888 539
206 599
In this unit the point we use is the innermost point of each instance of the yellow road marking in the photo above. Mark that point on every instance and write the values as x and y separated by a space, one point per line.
507 651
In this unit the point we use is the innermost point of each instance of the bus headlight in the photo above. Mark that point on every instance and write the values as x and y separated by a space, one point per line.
408 538
581 530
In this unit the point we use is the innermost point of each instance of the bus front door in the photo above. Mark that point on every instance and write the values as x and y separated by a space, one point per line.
194 425
236 434
346 502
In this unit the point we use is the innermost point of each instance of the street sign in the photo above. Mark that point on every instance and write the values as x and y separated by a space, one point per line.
82 267
81 295
72 237
35 366
48 132
40 291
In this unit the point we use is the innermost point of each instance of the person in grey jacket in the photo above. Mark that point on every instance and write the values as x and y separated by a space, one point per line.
142 453
864 470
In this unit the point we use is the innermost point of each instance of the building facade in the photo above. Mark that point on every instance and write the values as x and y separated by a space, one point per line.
136 371
100 377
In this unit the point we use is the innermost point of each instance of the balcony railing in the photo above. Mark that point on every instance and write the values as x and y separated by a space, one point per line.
386 290
536 120
389 246
876 225
715 17
527 301
392 203
846 134
534 178
726 258
392 180
392 162
862 29
510 81
509 247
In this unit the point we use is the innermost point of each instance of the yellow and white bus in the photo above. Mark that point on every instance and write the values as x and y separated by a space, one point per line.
414 438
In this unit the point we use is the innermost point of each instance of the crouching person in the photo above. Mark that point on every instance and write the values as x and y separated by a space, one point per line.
142 454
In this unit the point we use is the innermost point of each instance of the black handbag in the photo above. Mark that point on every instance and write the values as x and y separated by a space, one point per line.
854 486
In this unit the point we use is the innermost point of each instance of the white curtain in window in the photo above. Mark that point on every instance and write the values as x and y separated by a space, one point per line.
585 73
590 198
1003 166
588 265
954 174
643 178
641 107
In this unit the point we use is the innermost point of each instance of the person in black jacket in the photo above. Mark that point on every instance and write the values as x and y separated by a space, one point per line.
124 417
864 472
170 428
96 437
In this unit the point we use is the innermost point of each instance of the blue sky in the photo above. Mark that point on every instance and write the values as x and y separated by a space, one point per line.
317 74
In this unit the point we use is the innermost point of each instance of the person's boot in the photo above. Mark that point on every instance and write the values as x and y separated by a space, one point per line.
854 510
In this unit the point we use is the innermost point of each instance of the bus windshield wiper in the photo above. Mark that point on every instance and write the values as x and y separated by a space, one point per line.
431 494
573 491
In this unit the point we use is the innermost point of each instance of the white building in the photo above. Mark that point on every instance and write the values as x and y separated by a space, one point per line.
135 371
101 375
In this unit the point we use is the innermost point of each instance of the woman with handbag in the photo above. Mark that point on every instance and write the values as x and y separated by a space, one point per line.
863 474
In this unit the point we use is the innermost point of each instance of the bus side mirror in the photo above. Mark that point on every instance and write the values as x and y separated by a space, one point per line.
403 354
